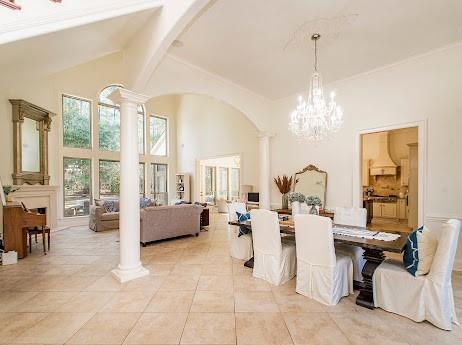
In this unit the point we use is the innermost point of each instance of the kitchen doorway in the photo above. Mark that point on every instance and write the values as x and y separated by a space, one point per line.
389 172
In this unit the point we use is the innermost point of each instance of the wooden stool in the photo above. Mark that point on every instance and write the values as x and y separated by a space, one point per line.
39 230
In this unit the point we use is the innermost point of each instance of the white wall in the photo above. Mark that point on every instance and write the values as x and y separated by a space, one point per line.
209 128
167 106
424 88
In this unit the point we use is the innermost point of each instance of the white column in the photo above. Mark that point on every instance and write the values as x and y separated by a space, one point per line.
264 170
129 217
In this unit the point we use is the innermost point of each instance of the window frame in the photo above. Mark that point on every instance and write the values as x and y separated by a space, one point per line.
166 135
64 189
92 144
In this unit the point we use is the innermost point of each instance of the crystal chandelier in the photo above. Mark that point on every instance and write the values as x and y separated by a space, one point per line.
315 120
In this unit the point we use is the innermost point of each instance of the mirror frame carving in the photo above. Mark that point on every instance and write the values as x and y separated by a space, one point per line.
21 110
312 167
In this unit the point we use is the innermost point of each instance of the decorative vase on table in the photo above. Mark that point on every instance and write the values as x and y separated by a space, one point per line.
314 210
285 201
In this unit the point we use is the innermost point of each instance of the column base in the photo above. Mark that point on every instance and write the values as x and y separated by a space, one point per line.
124 276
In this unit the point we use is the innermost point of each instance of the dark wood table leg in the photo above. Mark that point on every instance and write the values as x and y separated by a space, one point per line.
374 258
249 263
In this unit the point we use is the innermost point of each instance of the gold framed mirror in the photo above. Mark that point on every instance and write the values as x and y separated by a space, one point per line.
312 182
31 125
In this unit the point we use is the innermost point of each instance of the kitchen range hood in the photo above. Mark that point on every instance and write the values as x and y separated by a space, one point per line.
383 164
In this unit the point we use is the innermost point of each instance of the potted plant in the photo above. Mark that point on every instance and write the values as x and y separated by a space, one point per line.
284 185
296 199
9 190
315 203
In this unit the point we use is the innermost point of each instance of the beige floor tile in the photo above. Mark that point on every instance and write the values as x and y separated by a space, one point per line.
209 328
217 270
246 283
149 283
86 302
314 329
46 302
294 302
9 300
171 301
128 302
159 269
215 283
187 270
105 328
158 328
14 324
262 329
55 328
366 328
105 283
255 301
179 283
213 302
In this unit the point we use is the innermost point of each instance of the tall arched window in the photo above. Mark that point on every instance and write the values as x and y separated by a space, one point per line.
109 122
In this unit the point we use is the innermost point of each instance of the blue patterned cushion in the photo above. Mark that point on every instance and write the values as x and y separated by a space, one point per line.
419 251
145 202
111 205
242 217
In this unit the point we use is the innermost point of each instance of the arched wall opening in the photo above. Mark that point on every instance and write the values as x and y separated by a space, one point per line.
202 127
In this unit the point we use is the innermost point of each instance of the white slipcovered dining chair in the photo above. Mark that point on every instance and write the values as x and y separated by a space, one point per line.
274 260
240 247
321 274
352 216
428 297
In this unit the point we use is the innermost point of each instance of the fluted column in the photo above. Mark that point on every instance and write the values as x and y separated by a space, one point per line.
130 266
264 170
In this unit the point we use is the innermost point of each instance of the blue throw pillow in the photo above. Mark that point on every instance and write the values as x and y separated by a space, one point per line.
242 217
419 251
110 206
145 202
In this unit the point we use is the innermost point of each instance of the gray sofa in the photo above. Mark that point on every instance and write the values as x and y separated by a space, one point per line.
162 222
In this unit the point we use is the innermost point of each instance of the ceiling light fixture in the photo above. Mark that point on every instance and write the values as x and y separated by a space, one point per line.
314 119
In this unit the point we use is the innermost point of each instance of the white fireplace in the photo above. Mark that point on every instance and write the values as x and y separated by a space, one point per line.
39 196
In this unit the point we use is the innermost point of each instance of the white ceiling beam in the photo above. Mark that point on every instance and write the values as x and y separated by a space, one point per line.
68 15
146 50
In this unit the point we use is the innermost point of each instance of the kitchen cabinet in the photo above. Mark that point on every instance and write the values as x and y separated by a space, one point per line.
383 171
384 210
365 173
404 172
402 209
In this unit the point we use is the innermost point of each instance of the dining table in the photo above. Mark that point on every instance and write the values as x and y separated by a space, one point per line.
374 252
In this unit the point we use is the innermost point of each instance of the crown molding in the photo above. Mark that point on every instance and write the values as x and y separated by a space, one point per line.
69 18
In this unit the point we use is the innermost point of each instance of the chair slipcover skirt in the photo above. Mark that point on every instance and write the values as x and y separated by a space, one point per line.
275 269
325 284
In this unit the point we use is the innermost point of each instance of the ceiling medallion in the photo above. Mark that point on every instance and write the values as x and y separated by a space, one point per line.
314 119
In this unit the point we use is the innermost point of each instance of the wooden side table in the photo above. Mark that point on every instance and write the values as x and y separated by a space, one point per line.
205 217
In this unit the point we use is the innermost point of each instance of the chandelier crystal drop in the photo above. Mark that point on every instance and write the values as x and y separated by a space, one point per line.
314 119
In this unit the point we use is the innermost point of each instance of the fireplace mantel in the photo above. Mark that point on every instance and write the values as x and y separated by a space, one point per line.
38 196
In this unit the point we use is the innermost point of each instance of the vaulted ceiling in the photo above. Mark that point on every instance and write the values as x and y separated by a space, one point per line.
263 45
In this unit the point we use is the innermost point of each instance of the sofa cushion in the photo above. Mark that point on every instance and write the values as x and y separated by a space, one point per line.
110 216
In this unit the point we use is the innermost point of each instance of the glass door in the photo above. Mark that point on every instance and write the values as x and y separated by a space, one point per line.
223 183
159 184
209 183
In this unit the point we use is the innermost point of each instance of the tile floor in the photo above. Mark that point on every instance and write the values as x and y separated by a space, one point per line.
196 294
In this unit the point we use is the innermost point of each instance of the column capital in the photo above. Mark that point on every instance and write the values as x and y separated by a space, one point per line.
265 134
121 95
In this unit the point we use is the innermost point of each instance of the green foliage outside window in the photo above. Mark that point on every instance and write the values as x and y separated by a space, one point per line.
76 122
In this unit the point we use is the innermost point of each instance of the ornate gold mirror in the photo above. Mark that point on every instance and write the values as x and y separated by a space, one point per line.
31 125
312 182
